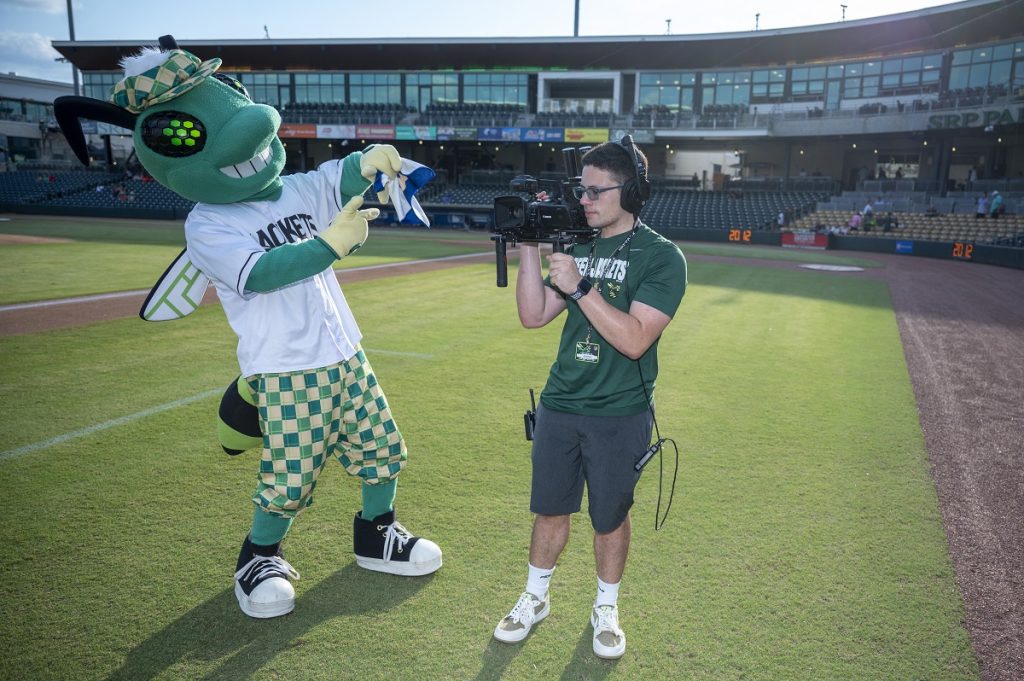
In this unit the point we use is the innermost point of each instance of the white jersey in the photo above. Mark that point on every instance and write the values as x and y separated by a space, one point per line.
305 325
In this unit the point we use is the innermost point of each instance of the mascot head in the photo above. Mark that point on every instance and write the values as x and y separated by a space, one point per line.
196 131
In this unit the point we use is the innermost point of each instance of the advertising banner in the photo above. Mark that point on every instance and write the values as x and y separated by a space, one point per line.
446 133
906 247
297 131
498 134
541 135
639 136
375 132
336 132
580 135
804 240
415 132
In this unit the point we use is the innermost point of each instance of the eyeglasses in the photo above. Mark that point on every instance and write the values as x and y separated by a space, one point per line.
592 193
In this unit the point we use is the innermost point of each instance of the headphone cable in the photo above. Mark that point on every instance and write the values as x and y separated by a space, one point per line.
659 520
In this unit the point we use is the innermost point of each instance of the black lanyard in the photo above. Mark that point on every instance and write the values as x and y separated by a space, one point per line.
611 259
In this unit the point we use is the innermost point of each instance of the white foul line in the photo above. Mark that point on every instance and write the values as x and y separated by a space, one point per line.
76 299
123 420
120 421
144 291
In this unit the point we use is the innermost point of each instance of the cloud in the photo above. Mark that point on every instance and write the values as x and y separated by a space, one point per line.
32 56
48 6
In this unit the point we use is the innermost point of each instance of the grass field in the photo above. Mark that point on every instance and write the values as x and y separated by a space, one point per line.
104 257
804 540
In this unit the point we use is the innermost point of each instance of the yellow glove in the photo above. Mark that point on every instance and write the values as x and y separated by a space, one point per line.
349 228
382 157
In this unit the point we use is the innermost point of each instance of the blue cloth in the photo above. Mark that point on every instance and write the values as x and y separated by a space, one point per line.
402 190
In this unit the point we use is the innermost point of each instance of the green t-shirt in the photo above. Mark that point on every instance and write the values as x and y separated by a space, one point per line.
650 270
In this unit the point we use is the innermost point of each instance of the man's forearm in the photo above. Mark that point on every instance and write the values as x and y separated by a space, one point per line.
619 328
631 333
530 287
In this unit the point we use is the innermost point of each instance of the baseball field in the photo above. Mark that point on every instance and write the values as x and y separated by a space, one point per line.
805 539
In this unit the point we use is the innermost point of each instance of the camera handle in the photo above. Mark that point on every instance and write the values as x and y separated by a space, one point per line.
501 259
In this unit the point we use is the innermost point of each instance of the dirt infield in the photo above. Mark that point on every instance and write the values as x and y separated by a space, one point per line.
962 327
28 239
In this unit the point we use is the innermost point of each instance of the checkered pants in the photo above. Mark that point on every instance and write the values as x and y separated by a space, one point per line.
306 416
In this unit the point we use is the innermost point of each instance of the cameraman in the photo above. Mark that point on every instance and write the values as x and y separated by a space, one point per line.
595 417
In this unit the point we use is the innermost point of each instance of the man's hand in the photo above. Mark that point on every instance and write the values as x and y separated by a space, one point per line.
349 228
383 158
564 273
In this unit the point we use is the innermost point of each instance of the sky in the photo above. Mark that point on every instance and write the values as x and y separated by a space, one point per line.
27 27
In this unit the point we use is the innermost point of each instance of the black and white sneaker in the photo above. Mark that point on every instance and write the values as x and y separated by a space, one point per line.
261 581
383 545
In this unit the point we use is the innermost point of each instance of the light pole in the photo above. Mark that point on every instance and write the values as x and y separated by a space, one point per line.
71 36
844 12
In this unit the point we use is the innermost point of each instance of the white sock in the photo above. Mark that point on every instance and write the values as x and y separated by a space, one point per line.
607 594
538 580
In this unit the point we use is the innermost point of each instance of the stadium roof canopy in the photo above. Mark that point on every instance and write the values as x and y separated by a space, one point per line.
970 22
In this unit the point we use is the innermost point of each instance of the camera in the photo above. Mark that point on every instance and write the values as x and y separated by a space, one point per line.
558 219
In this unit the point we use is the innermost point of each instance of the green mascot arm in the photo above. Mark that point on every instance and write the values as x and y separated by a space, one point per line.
352 181
290 263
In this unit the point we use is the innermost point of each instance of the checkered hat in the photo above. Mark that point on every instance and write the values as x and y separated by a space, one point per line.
180 72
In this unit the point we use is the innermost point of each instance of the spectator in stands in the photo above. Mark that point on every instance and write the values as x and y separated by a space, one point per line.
972 175
899 172
881 174
868 210
982 207
888 222
996 208
855 221
594 419
931 211
780 221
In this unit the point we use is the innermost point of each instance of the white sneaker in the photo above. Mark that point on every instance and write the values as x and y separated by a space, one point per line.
609 641
262 587
516 625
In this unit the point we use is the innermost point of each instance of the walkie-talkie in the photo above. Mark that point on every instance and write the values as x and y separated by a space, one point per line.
530 417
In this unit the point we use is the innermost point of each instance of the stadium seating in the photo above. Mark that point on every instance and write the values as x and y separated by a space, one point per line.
1007 230
479 114
682 209
335 113
39 186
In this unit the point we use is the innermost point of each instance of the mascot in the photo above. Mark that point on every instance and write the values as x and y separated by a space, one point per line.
306 390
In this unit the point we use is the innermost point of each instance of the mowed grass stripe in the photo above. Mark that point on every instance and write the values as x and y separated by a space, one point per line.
127 256
112 423
804 540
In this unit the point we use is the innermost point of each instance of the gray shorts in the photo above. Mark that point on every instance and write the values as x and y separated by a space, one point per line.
569 449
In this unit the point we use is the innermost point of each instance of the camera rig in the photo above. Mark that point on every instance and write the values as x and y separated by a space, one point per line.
556 219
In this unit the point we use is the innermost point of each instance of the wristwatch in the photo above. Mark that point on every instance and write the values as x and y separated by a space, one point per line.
582 289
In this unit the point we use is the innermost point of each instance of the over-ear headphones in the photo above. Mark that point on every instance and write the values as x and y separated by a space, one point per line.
636 190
